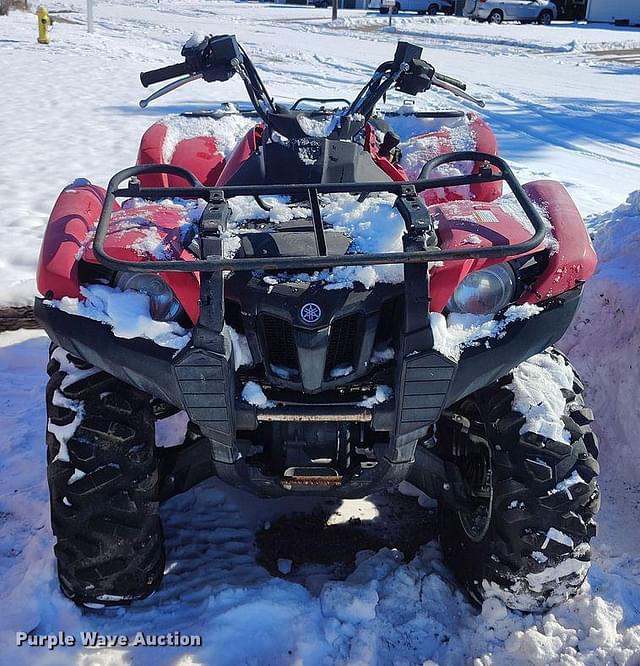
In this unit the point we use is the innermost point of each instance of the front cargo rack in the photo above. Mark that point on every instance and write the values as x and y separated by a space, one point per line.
412 208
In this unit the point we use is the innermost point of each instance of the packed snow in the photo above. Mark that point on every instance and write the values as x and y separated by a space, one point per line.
456 331
381 394
253 394
372 225
228 129
126 312
560 110
537 394
604 339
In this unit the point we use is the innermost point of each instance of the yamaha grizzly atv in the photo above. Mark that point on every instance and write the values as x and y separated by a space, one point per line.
333 299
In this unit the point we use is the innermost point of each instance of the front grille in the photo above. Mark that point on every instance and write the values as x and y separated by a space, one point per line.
387 323
279 343
343 343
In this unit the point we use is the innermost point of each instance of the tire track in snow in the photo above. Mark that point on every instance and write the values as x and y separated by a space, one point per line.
574 126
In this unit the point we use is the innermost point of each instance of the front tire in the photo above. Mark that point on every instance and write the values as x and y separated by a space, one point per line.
526 539
103 483
432 10
545 17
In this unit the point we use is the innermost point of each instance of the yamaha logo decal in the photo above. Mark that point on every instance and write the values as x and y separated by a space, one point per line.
310 313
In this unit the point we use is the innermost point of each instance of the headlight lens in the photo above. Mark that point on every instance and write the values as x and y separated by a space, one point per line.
485 291
163 304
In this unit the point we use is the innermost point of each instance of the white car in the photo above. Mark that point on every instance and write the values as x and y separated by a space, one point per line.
431 7
525 11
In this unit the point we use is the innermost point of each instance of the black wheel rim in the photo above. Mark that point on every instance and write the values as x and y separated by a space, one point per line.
476 467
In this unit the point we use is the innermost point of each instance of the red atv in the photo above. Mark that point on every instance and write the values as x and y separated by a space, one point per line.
333 300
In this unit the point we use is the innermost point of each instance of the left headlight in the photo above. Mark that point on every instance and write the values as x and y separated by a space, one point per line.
485 291
163 304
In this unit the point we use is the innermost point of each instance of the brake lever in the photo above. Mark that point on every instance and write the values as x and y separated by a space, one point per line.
168 88
457 91
450 80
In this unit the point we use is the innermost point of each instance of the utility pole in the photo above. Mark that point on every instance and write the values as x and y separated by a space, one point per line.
334 10
89 15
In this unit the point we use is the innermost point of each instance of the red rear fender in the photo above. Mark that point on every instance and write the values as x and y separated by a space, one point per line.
199 155
432 144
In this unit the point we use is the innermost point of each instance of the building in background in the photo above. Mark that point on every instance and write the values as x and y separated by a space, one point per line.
618 12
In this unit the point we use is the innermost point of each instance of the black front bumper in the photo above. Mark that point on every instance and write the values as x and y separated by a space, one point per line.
203 383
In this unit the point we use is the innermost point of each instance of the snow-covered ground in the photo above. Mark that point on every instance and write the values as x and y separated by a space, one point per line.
559 111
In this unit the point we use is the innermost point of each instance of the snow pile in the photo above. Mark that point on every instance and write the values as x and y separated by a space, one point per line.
227 130
513 39
127 313
318 127
241 351
537 387
382 394
253 394
604 340
457 331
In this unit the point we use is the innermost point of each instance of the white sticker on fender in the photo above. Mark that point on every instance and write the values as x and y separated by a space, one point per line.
485 216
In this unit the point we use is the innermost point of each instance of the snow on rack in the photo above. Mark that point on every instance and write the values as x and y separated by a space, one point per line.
372 225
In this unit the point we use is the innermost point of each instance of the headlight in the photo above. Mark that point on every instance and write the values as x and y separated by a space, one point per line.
163 304
485 291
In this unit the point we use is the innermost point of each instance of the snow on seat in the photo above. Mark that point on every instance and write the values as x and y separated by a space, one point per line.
200 144
422 139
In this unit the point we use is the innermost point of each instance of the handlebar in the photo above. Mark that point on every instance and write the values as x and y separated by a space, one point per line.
218 58
164 74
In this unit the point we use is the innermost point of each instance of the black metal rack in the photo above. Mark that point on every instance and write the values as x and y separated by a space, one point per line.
409 204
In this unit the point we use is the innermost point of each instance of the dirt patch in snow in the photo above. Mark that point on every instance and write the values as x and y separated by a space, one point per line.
324 544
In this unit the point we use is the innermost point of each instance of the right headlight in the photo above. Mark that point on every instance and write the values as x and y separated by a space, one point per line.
163 304
485 291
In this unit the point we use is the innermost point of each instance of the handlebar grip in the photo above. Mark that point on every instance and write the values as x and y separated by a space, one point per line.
163 74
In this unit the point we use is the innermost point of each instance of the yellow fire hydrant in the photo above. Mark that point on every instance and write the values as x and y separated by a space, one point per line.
44 24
